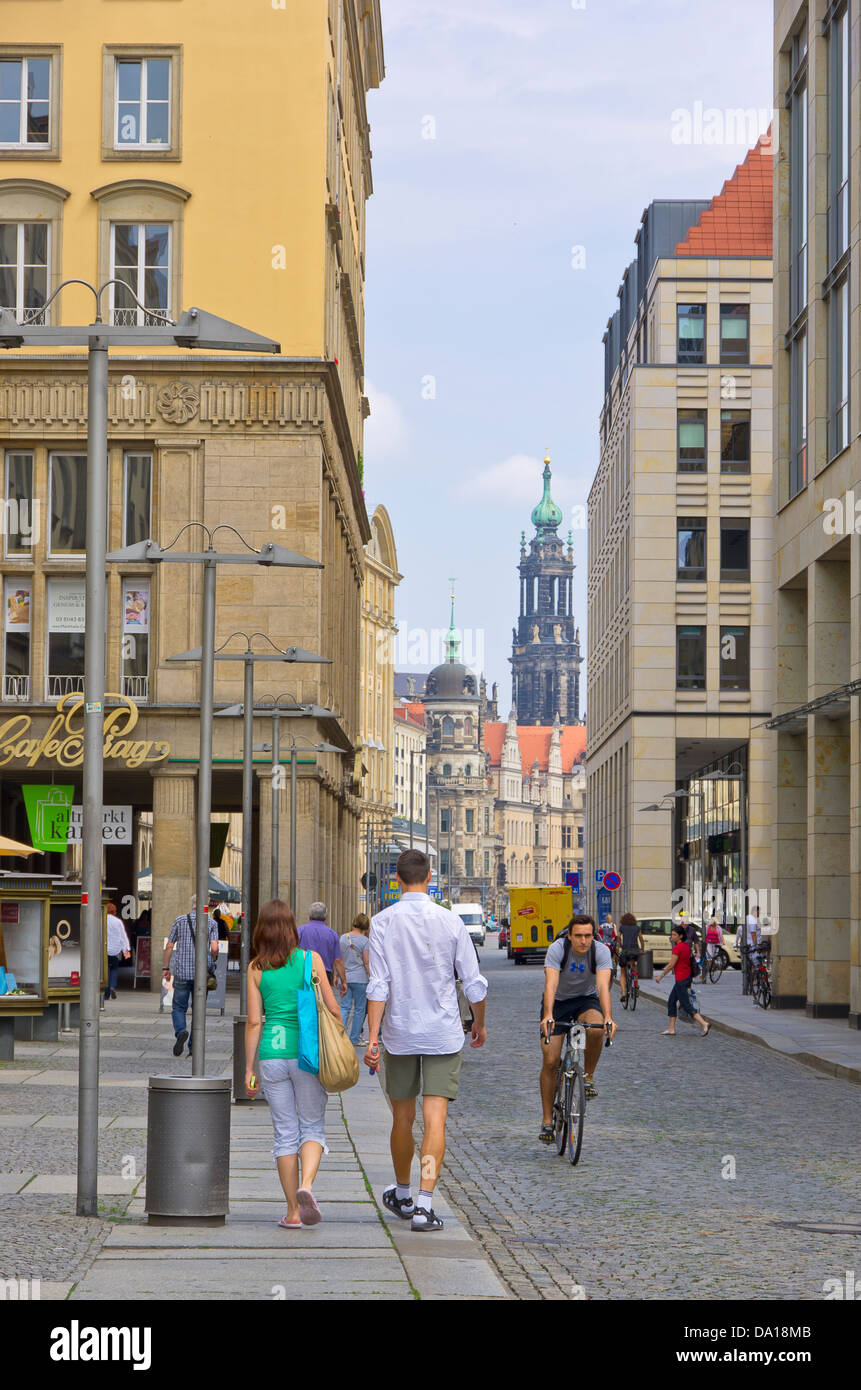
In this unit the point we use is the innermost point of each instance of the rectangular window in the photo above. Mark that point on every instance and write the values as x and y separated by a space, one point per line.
691 548
690 658
135 651
25 102
445 820
22 517
797 478
470 821
469 856
579 837
66 625
735 441
798 154
17 605
838 368
140 259
137 499
691 427
443 863
838 143
735 658
142 103
734 548
691 328
486 863
23 266
734 333
566 836
486 820
68 489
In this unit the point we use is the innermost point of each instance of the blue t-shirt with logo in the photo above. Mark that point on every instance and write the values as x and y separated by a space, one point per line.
577 978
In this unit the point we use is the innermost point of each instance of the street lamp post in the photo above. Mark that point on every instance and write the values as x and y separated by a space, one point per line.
269 554
195 328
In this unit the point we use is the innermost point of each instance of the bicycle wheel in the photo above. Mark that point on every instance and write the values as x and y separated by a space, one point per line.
575 1110
756 986
560 1112
626 997
718 964
634 992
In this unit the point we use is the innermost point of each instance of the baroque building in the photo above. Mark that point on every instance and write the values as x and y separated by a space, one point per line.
120 179
377 667
545 659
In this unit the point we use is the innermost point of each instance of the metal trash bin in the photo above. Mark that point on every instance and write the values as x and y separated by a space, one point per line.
188 1150
646 965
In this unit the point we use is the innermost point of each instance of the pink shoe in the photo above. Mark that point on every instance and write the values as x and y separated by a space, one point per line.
309 1212
290 1225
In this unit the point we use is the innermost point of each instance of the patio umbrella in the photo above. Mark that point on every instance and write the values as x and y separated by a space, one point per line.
14 847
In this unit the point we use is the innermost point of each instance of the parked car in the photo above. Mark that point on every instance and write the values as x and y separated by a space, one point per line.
656 937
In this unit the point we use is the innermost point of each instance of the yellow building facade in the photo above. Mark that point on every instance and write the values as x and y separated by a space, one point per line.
378 677
196 158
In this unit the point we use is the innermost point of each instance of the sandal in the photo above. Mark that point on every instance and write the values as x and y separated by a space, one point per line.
706 1030
290 1225
668 1033
309 1212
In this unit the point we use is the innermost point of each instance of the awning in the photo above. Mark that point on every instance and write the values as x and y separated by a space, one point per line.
217 887
14 847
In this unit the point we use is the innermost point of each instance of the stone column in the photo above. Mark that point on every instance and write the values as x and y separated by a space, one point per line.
264 838
855 788
789 838
173 855
828 763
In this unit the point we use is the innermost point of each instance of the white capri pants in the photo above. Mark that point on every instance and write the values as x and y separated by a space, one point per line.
297 1104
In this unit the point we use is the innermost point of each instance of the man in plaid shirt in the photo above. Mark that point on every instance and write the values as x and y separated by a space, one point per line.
182 937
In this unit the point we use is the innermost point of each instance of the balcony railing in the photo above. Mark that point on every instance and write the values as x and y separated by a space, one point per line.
65 685
136 687
16 688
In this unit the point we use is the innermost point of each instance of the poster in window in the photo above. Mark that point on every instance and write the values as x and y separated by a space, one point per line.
136 608
67 608
64 942
18 607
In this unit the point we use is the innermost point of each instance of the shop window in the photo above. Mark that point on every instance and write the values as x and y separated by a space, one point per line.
21 939
17 628
68 491
22 517
137 498
65 645
735 441
135 650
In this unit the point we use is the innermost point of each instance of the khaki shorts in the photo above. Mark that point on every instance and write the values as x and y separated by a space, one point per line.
440 1075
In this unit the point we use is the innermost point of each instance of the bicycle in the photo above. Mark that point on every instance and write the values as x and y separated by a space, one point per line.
569 1102
632 985
717 965
760 979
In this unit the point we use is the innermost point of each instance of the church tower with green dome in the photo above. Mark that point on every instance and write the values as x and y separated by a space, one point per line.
545 658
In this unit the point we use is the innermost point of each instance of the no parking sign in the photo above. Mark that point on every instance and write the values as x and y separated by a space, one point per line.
612 880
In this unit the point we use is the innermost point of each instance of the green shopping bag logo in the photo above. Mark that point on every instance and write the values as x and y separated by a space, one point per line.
49 809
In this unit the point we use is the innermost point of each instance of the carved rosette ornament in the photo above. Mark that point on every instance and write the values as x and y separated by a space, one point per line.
178 403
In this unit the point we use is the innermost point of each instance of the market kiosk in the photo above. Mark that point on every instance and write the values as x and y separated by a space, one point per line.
40 947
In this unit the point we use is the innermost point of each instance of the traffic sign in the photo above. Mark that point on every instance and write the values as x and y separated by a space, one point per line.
599 875
573 881
612 880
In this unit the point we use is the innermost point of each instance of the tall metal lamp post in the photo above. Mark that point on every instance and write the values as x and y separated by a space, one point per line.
195 328
269 554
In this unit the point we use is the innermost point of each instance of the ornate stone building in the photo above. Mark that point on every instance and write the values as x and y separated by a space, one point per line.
378 632
135 191
545 659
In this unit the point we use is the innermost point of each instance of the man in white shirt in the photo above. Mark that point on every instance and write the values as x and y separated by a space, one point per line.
416 949
118 949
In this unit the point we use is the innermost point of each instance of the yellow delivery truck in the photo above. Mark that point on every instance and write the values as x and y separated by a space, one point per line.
537 917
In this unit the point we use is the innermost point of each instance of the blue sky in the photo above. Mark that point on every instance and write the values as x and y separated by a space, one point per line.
504 136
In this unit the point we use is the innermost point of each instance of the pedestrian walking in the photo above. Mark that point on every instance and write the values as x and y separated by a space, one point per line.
679 994
183 937
416 947
297 1101
355 952
119 949
316 935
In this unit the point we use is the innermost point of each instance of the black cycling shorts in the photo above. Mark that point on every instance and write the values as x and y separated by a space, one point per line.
626 956
569 1010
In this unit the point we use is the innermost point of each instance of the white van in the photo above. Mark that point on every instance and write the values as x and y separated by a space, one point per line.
473 920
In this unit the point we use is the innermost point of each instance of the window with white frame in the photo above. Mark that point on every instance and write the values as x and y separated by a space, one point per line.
142 105
25 102
17 627
137 498
66 627
24 262
68 493
135 648
140 260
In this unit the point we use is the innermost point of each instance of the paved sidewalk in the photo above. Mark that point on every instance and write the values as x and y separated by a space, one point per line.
357 1251
827 1044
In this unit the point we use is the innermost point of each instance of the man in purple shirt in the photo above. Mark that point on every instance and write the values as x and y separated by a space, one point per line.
315 935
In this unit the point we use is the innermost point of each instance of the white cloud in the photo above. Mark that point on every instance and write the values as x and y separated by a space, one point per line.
515 482
386 428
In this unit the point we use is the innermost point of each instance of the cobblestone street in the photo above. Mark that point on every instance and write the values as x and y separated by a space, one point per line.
646 1213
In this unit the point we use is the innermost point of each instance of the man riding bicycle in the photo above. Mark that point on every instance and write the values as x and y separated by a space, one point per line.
632 944
576 990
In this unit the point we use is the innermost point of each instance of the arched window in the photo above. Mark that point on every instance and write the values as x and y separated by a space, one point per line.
467 727
448 727
467 771
31 222
446 769
140 242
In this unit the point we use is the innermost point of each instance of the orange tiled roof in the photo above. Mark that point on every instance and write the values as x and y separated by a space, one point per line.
738 221
414 712
534 740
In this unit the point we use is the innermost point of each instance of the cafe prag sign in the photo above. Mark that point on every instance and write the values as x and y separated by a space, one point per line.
63 740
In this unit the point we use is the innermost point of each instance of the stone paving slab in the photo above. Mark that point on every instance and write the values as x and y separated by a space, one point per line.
19 1121
9 1077
68 1122
62 1183
128 1122
150 1241
13 1182
189 1278
329 1187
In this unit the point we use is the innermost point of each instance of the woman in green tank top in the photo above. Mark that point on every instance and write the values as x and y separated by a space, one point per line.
297 1101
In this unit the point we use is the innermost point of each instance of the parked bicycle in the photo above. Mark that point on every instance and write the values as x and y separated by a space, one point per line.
569 1101
760 976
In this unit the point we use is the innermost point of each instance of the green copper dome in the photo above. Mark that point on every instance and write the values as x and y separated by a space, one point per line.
546 516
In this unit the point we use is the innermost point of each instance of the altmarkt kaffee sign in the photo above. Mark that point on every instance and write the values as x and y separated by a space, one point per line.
62 740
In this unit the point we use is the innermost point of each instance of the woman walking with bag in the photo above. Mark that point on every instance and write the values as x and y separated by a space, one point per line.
354 949
680 963
297 1101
